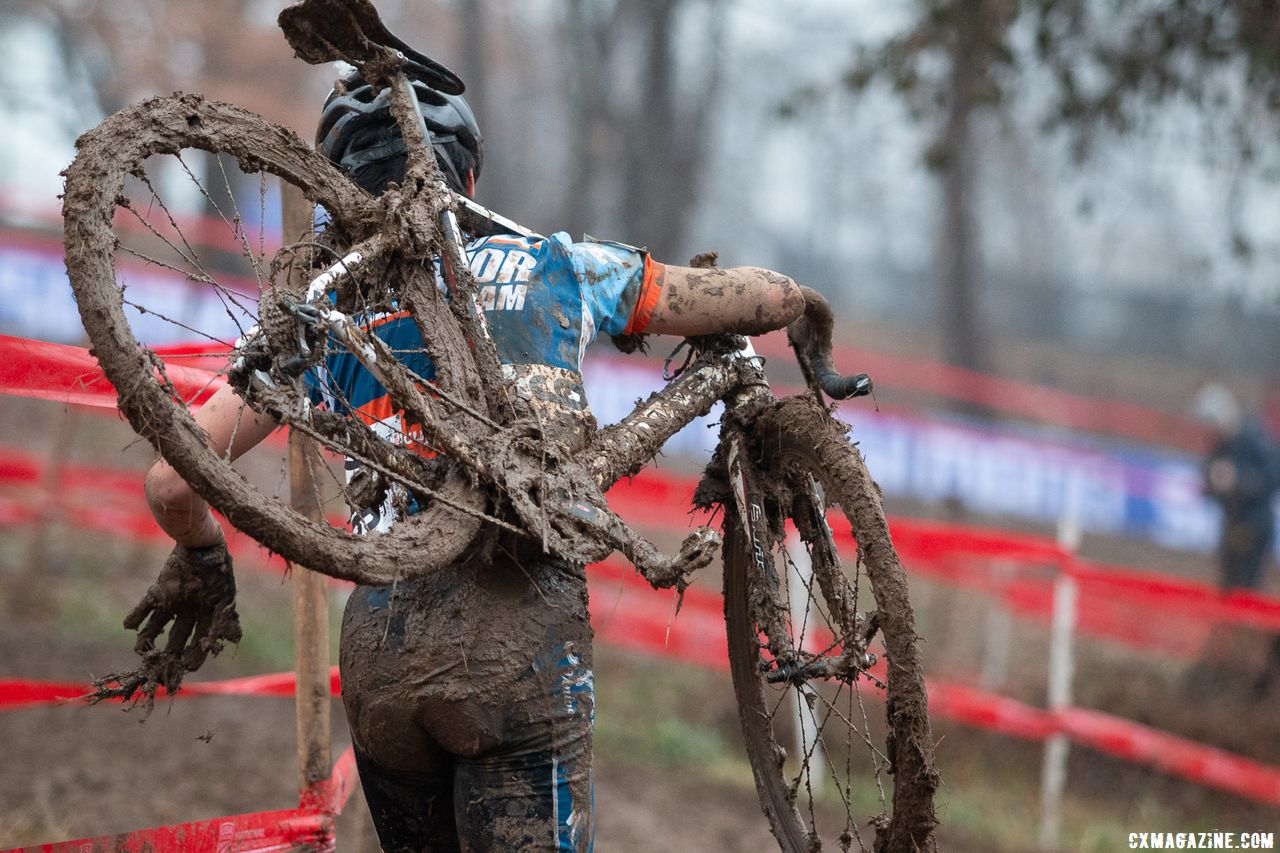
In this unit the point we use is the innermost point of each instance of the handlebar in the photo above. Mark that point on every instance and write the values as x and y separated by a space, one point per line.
810 337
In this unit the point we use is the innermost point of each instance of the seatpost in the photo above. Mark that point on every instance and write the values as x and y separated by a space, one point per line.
465 301
456 250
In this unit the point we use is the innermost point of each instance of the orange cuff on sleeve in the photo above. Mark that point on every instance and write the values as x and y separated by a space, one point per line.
655 276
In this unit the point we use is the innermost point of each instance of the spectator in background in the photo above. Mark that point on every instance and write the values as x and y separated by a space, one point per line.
1242 474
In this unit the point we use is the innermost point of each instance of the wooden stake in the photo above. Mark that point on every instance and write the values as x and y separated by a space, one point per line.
310 604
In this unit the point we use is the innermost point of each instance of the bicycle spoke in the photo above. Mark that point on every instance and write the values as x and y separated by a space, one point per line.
782 697
262 215
842 789
145 310
235 428
205 387
309 452
238 228
187 274
193 259
177 356
801 709
875 753
213 205
190 256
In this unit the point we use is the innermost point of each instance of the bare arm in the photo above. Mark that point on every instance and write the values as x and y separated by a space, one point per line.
182 513
739 300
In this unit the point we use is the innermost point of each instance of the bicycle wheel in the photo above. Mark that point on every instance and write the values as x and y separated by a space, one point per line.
150 280
804 661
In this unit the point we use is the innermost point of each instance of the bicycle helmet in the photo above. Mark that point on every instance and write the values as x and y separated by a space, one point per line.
359 135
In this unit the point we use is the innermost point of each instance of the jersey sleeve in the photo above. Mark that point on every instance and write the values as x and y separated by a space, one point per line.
620 285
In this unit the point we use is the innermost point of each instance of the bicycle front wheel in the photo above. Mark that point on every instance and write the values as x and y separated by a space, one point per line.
172 258
813 639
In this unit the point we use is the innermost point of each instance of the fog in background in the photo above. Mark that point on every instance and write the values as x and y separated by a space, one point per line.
687 125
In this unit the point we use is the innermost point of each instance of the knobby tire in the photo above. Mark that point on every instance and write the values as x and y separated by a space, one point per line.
95 182
799 435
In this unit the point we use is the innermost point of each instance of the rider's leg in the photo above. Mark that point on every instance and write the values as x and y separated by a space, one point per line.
406 777
534 792
412 811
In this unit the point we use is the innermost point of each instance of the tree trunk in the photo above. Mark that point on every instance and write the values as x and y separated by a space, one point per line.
473 66
589 31
963 335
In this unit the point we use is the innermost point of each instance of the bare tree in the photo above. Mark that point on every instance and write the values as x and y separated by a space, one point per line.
641 118
949 64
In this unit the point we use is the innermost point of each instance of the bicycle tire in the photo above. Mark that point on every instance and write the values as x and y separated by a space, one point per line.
794 438
95 182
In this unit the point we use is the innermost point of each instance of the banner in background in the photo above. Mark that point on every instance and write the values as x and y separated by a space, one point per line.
36 299
1036 474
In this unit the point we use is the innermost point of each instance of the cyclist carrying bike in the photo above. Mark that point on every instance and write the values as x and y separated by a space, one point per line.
468 691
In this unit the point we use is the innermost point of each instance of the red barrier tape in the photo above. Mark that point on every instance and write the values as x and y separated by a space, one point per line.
308 827
961 703
630 615
1034 403
1115 736
1109 595
71 375
17 693
1177 613
263 832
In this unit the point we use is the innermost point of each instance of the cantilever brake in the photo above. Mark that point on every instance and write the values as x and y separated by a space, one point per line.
698 549
575 522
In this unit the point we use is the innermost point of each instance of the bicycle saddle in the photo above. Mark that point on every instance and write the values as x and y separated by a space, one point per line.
322 31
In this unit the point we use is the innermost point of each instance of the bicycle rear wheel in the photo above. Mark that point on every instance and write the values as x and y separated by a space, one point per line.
801 654
158 289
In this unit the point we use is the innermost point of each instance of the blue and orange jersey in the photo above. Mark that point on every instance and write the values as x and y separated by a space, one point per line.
545 301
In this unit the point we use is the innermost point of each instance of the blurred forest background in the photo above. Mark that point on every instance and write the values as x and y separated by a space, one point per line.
1094 173
1079 195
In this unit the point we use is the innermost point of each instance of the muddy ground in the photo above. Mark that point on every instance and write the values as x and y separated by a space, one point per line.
669 769
72 771
669 772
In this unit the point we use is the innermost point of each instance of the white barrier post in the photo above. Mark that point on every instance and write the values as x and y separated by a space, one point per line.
1053 770
800 578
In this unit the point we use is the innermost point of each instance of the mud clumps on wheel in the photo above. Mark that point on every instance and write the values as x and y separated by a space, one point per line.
95 183
794 633
802 420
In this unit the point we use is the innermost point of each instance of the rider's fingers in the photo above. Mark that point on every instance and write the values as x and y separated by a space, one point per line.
144 607
226 625
147 633
179 633
194 655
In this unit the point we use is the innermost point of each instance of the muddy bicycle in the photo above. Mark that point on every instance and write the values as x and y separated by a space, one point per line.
785 477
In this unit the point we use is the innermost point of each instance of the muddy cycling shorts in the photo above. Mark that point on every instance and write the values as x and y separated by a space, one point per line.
470 701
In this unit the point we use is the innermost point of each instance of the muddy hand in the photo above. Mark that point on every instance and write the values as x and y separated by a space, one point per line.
194 598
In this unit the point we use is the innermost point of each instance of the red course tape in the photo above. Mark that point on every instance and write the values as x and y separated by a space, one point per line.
629 614
71 375
308 827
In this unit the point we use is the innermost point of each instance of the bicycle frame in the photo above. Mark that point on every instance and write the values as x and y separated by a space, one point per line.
568 513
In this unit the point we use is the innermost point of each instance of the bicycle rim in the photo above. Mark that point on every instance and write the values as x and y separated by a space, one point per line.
148 275
832 768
